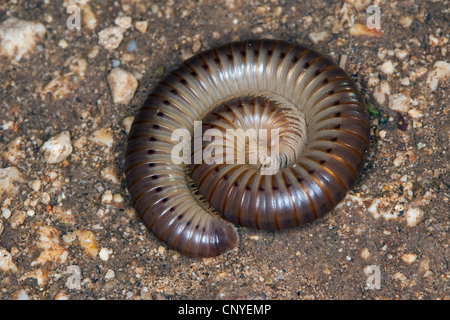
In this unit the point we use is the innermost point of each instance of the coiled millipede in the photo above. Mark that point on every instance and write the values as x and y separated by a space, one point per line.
323 134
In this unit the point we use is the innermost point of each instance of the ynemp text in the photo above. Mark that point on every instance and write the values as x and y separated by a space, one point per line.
246 309
227 309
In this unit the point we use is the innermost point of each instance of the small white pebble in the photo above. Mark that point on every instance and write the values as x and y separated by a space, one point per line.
126 123
381 91
6 213
103 136
57 149
317 37
399 102
61 296
124 22
196 46
387 67
405 81
413 216
123 85
110 274
409 257
107 197
10 179
118 198
110 38
414 113
6 262
19 37
36 185
63 43
94 52
405 21
365 253
104 254
110 174
142 26
439 73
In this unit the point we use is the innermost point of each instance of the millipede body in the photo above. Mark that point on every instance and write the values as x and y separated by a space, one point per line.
317 134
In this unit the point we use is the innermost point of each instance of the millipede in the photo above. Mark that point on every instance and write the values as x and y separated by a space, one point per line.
323 136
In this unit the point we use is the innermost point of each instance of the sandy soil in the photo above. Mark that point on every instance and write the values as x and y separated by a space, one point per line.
67 228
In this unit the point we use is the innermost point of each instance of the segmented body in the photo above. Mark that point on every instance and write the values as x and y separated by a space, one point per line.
323 138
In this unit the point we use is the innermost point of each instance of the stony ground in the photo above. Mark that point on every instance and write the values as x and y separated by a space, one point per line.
67 99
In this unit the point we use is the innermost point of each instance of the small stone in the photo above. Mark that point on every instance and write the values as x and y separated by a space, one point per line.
57 149
382 134
405 81
50 244
1 227
21 295
88 242
126 123
118 198
405 21
414 75
409 258
439 72
94 52
103 136
216 35
6 262
36 185
197 46
401 53
123 22
359 4
110 274
6 213
424 266
413 216
12 152
399 102
381 91
104 254
277 11
361 30
141 26
158 72
80 142
107 197
414 113
387 67
19 37
110 174
317 37
10 179
161 250
17 219
45 198
257 29
110 38
61 296
63 44
123 85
